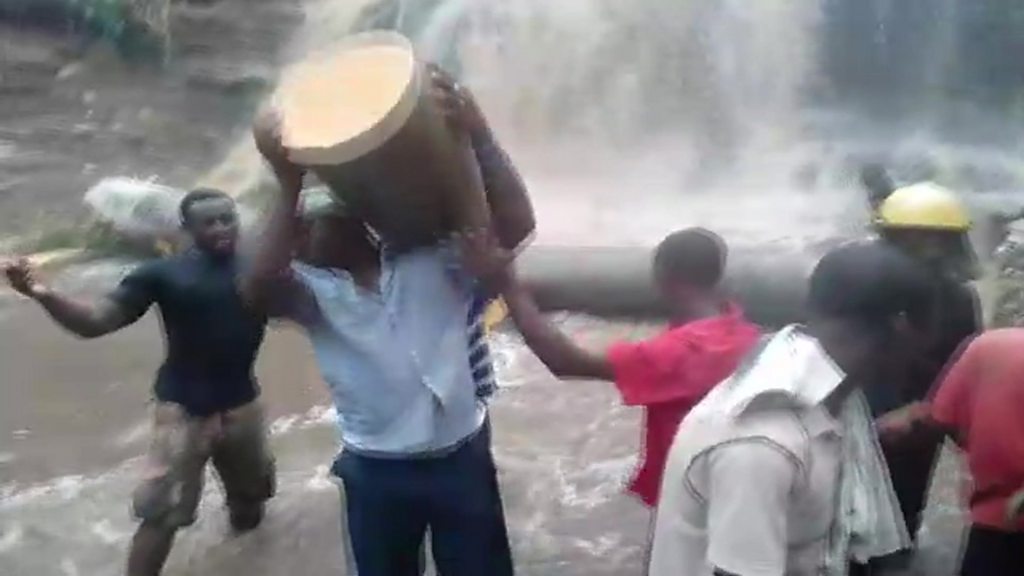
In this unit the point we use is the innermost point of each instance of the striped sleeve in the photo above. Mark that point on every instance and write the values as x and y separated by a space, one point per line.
480 362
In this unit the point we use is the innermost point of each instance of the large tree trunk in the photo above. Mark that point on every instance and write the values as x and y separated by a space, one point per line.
768 281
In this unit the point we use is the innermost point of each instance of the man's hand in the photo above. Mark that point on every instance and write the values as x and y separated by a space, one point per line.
266 131
1015 508
458 104
484 258
21 276
902 424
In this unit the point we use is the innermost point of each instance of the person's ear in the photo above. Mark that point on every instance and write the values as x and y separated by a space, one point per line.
900 325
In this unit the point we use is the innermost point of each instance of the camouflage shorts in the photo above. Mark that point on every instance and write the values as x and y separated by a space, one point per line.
235 441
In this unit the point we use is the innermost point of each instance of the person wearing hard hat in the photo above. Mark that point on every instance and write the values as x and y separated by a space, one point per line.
930 224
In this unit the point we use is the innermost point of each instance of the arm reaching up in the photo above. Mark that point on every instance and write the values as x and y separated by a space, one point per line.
492 265
511 209
275 246
86 319
556 350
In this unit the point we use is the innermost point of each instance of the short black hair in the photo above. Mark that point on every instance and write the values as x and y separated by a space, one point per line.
695 256
871 283
198 195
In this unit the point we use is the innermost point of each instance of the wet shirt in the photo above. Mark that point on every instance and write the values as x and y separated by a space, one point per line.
212 337
669 374
958 318
754 496
982 399
395 359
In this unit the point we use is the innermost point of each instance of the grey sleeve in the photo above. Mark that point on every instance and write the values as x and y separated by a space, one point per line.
749 485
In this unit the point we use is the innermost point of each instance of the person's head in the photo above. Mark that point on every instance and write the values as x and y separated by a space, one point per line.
928 223
210 217
688 266
872 309
329 236
875 178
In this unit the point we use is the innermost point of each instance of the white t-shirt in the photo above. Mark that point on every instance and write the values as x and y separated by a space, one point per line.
753 496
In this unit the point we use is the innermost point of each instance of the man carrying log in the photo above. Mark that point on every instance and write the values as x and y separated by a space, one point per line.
207 407
391 338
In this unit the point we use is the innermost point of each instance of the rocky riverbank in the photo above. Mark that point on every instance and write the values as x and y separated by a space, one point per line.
1008 283
74 111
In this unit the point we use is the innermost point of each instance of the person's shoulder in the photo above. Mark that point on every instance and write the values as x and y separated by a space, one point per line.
156 267
1008 340
778 421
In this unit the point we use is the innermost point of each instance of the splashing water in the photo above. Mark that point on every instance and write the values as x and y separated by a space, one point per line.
747 117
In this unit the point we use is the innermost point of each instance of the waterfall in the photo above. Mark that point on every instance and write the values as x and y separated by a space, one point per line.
636 118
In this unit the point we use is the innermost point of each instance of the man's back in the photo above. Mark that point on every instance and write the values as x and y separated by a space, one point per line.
982 400
714 511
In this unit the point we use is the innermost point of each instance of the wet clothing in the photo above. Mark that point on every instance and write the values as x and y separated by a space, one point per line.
391 502
715 514
763 479
395 359
982 400
408 371
234 440
481 365
212 337
671 372
993 553
911 465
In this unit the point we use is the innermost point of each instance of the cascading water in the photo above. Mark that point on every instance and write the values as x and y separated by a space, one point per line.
627 119
638 119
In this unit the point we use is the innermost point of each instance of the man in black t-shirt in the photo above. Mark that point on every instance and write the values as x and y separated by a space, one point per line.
206 393
930 224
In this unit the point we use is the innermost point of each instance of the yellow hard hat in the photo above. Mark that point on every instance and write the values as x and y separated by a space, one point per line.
923 206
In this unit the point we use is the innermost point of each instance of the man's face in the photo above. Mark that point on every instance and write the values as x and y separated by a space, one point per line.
330 239
213 224
933 248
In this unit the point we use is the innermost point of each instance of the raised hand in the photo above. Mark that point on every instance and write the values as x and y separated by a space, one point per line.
266 131
485 258
456 101
1015 508
21 276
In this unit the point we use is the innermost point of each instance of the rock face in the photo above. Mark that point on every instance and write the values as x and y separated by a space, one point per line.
1008 305
74 111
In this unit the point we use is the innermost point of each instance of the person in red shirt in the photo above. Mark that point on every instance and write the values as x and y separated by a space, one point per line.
669 373
980 404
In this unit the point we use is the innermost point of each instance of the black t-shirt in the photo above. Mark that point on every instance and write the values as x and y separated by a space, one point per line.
212 337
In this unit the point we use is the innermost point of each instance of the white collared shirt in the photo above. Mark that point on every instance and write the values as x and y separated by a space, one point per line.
754 495
396 360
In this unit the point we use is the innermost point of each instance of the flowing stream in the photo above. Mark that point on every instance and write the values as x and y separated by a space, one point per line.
628 120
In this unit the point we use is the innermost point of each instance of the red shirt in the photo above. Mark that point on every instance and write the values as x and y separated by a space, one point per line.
982 399
669 374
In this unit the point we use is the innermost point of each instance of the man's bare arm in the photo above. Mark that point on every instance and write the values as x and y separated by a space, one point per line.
559 353
82 318
509 200
511 209
274 247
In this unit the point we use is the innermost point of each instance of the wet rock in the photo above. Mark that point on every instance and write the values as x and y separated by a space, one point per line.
227 77
1008 308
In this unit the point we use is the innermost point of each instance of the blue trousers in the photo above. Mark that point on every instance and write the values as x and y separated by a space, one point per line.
391 503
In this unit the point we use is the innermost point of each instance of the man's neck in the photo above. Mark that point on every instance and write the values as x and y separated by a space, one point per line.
213 256
704 309
364 268
834 402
